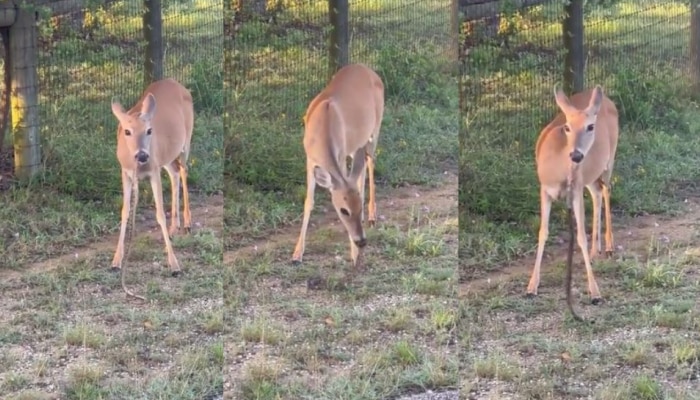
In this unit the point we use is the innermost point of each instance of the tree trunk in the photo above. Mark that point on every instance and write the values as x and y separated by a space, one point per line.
339 52
153 32
573 43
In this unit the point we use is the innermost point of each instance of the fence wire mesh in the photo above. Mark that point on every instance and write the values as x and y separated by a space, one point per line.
88 56
281 61
512 57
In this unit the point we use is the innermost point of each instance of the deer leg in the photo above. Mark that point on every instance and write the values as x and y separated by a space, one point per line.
372 205
545 209
174 174
609 249
157 187
579 214
596 197
308 206
187 216
126 209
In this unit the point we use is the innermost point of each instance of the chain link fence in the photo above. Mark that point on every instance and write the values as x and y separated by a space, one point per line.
89 55
512 57
282 58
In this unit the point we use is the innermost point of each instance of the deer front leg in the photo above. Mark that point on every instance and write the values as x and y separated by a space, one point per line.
157 187
308 206
579 214
545 209
126 209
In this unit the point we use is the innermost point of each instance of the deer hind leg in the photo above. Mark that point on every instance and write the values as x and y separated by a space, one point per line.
545 209
174 174
597 199
609 249
182 164
580 216
157 187
372 204
308 206
126 209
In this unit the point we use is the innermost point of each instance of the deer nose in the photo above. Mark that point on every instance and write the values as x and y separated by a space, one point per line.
576 156
361 243
141 156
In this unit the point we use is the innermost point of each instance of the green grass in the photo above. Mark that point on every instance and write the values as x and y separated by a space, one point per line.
640 61
71 333
281 67
382 333
76 199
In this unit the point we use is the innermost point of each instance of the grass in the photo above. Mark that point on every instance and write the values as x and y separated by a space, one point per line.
280 67
71 333
382 333
76 198
642 342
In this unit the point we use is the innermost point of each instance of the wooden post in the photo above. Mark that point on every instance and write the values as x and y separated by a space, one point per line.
454 22
153 32
573 43
24 101
339 52
695 44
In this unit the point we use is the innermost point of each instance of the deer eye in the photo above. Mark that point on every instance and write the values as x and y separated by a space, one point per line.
149 131
127 132
590 127
345 212
566 128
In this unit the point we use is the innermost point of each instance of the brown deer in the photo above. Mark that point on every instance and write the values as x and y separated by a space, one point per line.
156 133
581 140
342 121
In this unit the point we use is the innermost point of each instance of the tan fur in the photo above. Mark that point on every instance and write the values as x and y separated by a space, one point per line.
553 157
168 146
343 120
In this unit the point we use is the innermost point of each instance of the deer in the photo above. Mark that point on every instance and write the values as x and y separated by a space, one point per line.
577 148
343 121
152 135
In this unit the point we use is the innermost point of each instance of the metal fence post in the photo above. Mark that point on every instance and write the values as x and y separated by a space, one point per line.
573 43
339 52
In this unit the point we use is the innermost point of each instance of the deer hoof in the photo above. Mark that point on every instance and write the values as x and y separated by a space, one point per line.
175 274
597 301
530 295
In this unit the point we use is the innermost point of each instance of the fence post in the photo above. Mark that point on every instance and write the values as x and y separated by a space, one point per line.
153 32
695 43
339 53
573 43
454 21
24 89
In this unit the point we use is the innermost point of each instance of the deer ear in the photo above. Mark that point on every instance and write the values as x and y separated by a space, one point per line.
117 109
561 99
596 100
323 178
148 106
